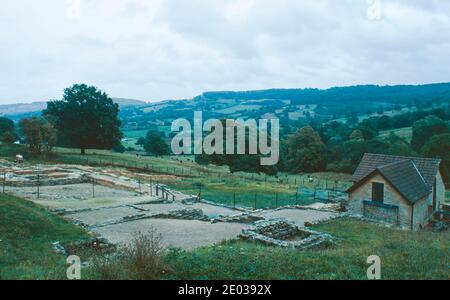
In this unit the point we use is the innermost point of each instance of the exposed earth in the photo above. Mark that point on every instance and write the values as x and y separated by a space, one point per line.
118 204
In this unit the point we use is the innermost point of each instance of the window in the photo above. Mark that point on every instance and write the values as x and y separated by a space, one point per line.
378 192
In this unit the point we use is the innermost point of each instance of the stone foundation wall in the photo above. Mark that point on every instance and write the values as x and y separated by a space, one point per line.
385 213
283 233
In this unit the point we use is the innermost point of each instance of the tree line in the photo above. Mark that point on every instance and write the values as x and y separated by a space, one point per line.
339 146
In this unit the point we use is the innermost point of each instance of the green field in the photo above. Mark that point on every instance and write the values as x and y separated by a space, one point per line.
404 255
130 137
405 133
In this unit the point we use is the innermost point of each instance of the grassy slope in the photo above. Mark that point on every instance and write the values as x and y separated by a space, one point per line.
404 255
405 133
26 234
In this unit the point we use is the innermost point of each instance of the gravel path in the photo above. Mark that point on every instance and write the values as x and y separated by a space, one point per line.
175 233
299 216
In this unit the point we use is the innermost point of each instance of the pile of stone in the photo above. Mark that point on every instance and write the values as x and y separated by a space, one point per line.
439 226
184 214
98 245
283 233
245 218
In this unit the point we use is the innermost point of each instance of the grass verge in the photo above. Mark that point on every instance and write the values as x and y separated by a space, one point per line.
404 255
26 235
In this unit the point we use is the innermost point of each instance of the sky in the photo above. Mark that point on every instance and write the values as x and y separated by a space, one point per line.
155 50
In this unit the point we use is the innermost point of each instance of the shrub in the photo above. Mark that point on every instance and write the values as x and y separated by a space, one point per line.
143 259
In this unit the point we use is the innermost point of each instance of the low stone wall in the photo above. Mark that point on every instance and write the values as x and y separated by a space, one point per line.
381 212
246 218
99 245
184 214
282 233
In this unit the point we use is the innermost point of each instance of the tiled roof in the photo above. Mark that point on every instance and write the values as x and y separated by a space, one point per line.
406 178
427 167
412 177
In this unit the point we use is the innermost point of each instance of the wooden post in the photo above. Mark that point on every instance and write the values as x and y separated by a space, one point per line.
4 181
296 198
38 184
151 188
140 189
93 188
234 200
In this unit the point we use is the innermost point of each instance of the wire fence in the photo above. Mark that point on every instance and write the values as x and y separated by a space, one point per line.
186 171
297 190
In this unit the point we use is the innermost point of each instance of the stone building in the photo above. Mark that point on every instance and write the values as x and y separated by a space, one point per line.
405 191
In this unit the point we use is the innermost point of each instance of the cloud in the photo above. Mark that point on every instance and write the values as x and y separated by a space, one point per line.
170 49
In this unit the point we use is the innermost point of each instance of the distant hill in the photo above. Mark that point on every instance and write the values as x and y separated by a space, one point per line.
293 106
124 102
34 107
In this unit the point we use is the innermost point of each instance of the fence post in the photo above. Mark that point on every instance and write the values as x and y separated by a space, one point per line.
38 184
4 181
276 200
234 200
140 189
296 198
255 201
93 188
151 188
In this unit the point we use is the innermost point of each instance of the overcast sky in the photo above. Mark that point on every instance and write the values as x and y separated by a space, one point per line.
170 49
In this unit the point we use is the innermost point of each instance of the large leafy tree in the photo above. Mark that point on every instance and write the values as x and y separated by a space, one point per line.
250 163
306 151
424 129
156 144
6 125
7 131
86 118
38 134
438 147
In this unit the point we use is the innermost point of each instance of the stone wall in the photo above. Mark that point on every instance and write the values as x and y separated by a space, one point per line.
440 191
283 233
184 214
381 212
421 214
392 197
